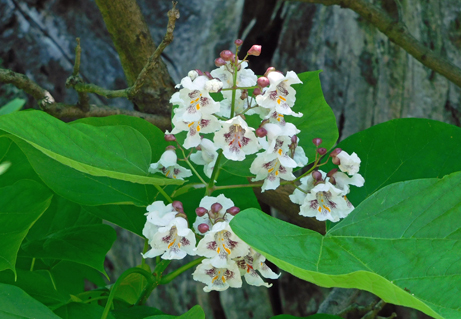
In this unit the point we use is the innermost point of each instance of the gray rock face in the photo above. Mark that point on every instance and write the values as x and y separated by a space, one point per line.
366 80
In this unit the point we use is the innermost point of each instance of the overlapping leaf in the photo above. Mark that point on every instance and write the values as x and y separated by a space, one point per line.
403 244
118 152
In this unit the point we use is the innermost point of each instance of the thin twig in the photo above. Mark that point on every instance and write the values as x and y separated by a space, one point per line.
398 33
83 99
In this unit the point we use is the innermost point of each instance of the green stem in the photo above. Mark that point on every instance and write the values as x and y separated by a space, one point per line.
161 191
210 187
172 275
32 264
146 247
113 289
95 299
241 88
237 186
234 83
158 271
192 167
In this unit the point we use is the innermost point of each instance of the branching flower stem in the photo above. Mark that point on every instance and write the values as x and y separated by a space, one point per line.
192 166
168 278
161 191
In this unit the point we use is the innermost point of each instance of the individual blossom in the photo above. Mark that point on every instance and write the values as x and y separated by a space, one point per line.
236 139
245 77
193 100
206 124
271 167
280 96
342 181
250 264
207 156
349 163
221 244
213 216
167 165
159 214
173 241
217 278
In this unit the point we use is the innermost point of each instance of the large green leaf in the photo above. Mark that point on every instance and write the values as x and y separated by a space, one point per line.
403 149
21 204
403 244
318 120
76 310
316 316
12 106
119 152
84 188
16 304
129 217
195 312
87 245
135 312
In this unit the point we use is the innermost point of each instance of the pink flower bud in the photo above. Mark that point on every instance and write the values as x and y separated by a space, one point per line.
199 72
170 147
216 207
263 82
257 91
219 62
294 140
238 42
234 210
170 138
208 74
261 132
269 70
336 160
322 150
177 205
255 50
317 175
201 211
226 55
203 228
335 152
317 141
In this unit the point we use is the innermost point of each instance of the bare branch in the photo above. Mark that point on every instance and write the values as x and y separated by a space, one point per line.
24 83
398 33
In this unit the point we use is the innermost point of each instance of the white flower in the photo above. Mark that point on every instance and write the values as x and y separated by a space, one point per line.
160 215
192 74
217 278
207 156
245 77
349 163
325 202
193 100
174 241
206 203
236 139
342 181
213 85
307 183
280 96
240 105
221 245
271 167
300 157
206 124
252 262
168 166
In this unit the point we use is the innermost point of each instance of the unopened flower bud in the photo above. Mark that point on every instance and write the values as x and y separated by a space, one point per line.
256 91
244 94
332 172
238 42
263 82
234 210
177 205
201 211
335 152
255 50
294 140
317 141
226 55
181 214
332 180
269 70
216 207
208 75
219 62
336 160
199 72
170 147
203 228
261 132
193 74
317 175
322 150
170 138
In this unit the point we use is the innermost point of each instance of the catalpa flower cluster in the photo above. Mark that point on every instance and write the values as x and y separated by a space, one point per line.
212 129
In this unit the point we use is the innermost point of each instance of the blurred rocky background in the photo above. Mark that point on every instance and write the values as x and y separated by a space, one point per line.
366 80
